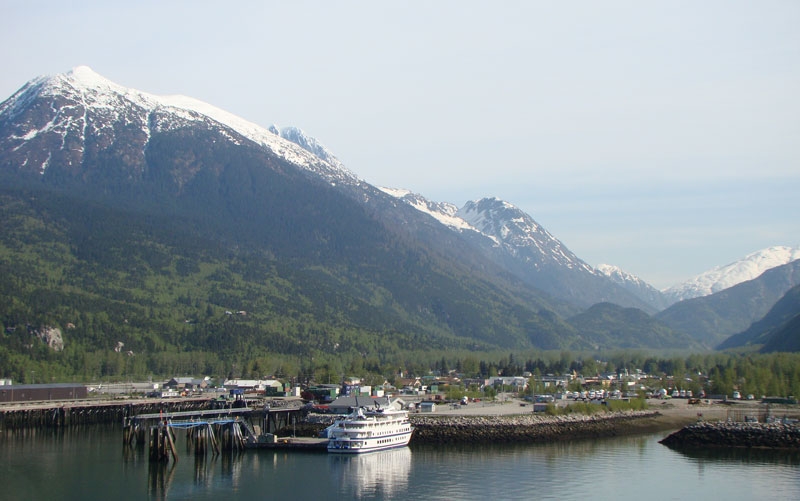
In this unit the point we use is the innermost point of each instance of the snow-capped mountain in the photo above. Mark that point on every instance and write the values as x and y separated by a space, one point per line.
513 239
504 224
333 245
77 111
724 277
88 128
619 275
634 284
711 319
519 234
81 118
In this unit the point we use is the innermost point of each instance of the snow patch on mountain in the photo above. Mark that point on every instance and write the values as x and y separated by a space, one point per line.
501 222
619 275
723 277
308 143
635 285
443 212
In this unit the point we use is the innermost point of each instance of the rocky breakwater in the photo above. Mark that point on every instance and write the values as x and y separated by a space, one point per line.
734 434
435 429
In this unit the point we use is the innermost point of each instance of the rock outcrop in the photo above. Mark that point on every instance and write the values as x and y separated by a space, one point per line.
733 434
51 336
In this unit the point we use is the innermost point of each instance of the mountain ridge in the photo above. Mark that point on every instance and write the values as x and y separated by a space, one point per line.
303 150
95 91
712 319
726 276
485 275
715 280
514 240
380 255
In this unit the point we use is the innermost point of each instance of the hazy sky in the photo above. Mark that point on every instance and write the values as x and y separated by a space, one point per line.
662 137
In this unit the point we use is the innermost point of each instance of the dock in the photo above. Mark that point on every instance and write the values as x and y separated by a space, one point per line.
216 430
292 443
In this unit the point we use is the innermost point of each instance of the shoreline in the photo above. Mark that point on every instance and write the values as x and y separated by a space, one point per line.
661 416
529 428
507 420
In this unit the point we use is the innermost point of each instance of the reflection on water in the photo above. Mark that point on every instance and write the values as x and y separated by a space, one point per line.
159 478
546 470
555 450
208 470
750 473
741 455
92 464
383 474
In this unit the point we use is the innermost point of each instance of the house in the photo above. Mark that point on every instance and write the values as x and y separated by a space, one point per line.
181 384
602 381
427 407
272 387
325 392
550 380
241 384
267 386
409 386
517 383
475 382
355 389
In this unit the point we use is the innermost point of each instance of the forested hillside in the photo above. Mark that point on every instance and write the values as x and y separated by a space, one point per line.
610 326
190 296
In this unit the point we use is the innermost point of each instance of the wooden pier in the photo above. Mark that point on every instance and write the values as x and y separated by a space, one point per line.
215 431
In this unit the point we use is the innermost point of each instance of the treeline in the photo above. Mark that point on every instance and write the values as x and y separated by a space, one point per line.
776 374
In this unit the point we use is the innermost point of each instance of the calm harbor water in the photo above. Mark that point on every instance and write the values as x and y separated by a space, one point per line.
91 464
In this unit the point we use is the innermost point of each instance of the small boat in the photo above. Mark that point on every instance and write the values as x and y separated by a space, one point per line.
367 430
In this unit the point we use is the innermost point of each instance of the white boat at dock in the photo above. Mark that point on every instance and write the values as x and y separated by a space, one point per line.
368 430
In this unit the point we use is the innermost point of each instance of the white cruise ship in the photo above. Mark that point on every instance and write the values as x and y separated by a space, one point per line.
369 430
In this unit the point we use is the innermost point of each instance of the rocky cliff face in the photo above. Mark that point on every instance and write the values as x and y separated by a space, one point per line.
51 336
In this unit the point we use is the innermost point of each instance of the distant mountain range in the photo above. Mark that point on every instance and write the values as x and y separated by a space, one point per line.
652 296
711 319
742 270
778 330
300 239
515 241
715 280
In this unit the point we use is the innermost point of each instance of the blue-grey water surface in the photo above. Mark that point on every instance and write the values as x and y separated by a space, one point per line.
91 464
